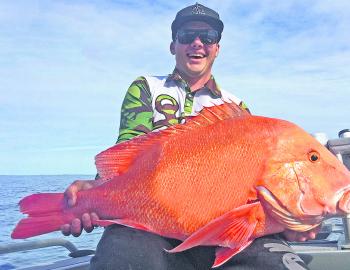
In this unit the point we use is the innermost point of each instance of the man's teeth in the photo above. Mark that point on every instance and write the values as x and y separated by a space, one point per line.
196 55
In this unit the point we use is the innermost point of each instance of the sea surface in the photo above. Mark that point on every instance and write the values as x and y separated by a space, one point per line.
13 188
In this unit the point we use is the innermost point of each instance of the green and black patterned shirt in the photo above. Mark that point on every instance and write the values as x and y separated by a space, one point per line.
153 103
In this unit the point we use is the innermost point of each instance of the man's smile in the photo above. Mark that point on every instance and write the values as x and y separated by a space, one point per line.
196 55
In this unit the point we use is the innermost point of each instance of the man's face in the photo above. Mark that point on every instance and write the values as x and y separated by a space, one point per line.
194 60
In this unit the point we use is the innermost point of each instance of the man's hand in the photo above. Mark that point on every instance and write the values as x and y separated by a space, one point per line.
88 219
301 236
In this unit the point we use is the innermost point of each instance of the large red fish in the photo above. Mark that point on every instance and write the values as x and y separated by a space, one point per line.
224 178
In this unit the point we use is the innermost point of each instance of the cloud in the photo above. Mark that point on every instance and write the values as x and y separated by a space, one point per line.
65 66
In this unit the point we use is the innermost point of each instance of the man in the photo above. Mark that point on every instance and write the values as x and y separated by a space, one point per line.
156 102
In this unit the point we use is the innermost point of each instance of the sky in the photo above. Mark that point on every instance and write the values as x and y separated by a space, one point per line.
65 67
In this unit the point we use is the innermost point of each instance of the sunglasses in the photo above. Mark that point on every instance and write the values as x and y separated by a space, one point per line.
187 36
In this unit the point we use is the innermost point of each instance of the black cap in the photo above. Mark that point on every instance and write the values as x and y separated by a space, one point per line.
343 133
197 12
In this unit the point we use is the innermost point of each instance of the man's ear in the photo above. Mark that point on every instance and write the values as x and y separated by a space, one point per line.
217 51
172 48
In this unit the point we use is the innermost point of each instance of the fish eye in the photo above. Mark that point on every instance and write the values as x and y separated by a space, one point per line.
313 156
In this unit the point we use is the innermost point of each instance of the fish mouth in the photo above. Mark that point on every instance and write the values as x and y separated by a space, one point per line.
282 215
344 202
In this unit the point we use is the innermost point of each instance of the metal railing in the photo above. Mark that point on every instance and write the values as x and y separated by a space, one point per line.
29 245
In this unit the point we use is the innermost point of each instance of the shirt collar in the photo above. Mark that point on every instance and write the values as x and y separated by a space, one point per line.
211 84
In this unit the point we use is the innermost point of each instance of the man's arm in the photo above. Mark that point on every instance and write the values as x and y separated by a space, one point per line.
136 112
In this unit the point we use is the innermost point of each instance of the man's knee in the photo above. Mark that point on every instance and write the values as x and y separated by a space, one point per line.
126 248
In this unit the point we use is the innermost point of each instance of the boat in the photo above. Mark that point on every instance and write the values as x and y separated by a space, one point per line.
330 250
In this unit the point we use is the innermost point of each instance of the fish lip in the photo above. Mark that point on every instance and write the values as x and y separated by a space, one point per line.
282 215
338 204
343 203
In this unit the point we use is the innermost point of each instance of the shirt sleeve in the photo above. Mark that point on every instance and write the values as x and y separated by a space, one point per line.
136 112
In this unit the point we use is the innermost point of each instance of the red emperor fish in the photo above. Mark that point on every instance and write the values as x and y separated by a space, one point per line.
223 178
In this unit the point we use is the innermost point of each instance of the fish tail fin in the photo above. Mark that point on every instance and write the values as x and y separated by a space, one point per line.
37 204
45 214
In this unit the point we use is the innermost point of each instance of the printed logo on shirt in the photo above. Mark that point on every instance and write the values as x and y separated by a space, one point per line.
167 106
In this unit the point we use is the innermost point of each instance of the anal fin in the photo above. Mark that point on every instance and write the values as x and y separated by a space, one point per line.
124 222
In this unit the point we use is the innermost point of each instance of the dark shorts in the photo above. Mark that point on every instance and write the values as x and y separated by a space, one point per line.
125 248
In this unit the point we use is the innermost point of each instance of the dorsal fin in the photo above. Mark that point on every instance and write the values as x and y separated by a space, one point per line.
117 159
215 113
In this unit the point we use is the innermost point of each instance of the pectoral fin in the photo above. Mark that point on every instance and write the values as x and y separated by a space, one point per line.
232 230
223 254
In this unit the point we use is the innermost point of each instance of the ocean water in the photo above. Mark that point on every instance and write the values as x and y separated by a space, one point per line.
13 188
